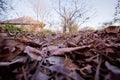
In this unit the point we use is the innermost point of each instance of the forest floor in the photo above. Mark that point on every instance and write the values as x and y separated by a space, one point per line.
85 55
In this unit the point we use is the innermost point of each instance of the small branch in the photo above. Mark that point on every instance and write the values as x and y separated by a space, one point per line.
24 73
97 75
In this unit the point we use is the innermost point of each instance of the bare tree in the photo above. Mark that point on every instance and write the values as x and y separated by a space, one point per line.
5 5
36 8
72 12
116 18
40 9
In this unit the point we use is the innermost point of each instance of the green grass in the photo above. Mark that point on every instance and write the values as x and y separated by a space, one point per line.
11 27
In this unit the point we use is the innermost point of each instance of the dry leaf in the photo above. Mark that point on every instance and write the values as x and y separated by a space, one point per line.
109 50
112 68
71 44
2 35
18 60
61 51
86 70
42 76
55 60
9 49
77 39
33 53
30 43
51 48
59 68
112 29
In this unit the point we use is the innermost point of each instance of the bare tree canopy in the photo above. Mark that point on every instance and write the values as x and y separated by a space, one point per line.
40 8
117 12
2 6
5 5
72 13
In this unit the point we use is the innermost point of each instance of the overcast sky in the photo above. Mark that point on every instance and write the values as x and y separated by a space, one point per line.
104 10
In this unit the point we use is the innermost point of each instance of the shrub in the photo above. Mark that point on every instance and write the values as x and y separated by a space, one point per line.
47 31
11 27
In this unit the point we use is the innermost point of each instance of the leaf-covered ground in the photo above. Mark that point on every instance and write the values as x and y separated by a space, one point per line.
38 56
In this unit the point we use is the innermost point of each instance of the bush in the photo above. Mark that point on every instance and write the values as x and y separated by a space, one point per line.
11 27
73 29
47 31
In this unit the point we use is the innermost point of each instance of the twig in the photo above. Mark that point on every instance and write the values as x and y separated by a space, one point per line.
97 75
91 58
24 73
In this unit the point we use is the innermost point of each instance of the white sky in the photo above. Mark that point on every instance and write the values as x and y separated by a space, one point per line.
104 10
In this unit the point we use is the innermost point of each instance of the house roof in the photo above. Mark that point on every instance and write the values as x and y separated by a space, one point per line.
24 20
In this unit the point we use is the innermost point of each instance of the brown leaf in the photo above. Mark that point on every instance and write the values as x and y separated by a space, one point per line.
50 48
99 44
30 43
75 76
109 50
2 35
9 49
61 51
71 44
86 70
59 68
77 39
18 60
112 68
55 60
112 29
42 76
33 53
69 63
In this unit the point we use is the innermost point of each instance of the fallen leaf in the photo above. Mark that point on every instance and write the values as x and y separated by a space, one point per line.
109 50
59 68
77 39
33 53
71 44
18 60
9 49
112 68
112 29
51 48
42 76
30 43
56 60
2 35
7 67
61 51
86 70
75 76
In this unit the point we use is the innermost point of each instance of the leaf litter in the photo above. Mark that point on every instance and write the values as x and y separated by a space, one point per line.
82 56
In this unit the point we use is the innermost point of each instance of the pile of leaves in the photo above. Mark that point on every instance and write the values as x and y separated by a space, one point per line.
38 56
